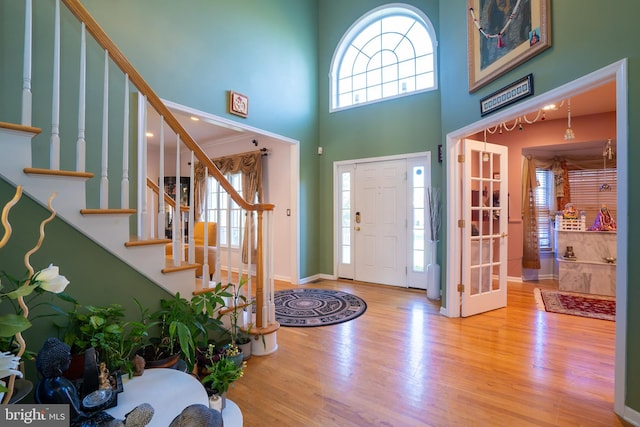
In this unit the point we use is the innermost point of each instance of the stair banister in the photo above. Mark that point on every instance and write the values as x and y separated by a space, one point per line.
81 144
152 98
54 157
27 63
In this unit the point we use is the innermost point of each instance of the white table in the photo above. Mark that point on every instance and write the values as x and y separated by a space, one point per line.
169 391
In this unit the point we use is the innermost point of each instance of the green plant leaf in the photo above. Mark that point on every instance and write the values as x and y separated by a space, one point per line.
11 324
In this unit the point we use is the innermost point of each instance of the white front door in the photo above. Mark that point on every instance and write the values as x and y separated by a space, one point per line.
381 219
484 227
380 222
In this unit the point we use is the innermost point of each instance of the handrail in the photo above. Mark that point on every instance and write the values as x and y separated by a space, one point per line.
168 200
121 61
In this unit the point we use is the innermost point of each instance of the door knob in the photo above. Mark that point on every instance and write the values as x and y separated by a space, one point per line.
357 228
503 234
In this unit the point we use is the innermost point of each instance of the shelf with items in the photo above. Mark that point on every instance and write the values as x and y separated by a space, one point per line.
593 268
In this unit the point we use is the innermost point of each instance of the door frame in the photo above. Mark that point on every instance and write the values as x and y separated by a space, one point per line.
451 300
336 214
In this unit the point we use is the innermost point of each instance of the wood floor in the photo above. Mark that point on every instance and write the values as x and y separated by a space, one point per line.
404 364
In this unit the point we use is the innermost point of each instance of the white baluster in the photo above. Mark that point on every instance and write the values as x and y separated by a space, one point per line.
124 185
82 97
191 239
205 255
141 216
218 200
27 62
104 177
161 205
178 252
54 159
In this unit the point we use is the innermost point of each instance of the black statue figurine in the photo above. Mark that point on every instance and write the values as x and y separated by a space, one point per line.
53 359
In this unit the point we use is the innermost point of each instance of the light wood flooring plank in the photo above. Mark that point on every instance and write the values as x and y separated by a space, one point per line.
403 364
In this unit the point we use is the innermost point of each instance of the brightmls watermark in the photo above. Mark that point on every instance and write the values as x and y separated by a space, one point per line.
34 415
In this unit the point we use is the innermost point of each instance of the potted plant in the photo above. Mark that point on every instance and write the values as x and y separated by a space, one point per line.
240 338
182 325
222 372
104 328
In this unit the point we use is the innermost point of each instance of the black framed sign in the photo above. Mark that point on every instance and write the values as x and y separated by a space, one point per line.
507 95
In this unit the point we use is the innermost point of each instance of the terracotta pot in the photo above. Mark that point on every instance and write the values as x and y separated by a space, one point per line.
167 362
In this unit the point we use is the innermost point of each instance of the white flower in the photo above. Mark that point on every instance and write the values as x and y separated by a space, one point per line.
51 280
9 364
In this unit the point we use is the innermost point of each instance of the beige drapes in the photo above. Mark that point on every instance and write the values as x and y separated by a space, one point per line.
250 165
530 252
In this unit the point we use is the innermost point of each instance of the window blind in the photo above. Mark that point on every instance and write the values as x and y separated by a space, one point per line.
592 188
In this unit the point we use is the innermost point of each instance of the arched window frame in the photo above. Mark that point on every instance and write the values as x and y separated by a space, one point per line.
360 25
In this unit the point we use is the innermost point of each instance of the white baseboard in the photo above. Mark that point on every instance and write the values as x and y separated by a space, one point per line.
632 416
305 280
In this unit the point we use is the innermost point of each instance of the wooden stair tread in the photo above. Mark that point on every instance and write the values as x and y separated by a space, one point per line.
21 128
200 290
232 308
107 211
55 172
134 241
170 268
265 330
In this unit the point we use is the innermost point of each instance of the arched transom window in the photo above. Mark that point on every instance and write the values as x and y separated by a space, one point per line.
389 52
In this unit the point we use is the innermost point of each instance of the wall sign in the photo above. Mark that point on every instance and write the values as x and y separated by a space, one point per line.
507 95
238 104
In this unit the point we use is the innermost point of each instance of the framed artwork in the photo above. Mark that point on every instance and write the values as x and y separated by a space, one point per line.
507 95
238 104
503 34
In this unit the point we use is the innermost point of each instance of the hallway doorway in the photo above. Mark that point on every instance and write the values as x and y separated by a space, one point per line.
615 72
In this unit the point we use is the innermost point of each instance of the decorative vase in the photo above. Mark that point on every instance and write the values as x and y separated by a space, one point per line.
217 401
433 272
246 350
237 359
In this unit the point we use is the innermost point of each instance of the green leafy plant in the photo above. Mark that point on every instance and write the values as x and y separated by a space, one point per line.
238 303
105 329
222 371
184 324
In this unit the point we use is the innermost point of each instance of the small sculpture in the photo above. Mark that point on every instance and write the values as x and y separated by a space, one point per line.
569 212
103 377
604 221
138 365
53 359
569 253
198 415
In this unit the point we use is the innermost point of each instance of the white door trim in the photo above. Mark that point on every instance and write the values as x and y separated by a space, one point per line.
336 166
615 72
294 158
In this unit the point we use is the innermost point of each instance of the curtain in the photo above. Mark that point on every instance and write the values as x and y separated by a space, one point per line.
530 252
250 165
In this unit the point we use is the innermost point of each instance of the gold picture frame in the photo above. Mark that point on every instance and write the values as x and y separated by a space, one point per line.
238 104
499 40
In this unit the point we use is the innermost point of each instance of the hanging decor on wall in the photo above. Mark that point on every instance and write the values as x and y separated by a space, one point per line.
502 34
238 104
507 95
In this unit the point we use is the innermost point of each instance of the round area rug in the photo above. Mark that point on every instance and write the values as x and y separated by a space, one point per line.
316 307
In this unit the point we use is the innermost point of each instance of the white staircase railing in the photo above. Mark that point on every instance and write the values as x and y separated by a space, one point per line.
151 203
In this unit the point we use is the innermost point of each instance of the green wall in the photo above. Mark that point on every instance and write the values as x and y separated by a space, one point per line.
586 36
193 51
399 126
96 276
190 52
278 52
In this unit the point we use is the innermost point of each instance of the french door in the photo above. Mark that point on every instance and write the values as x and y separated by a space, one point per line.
484 227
